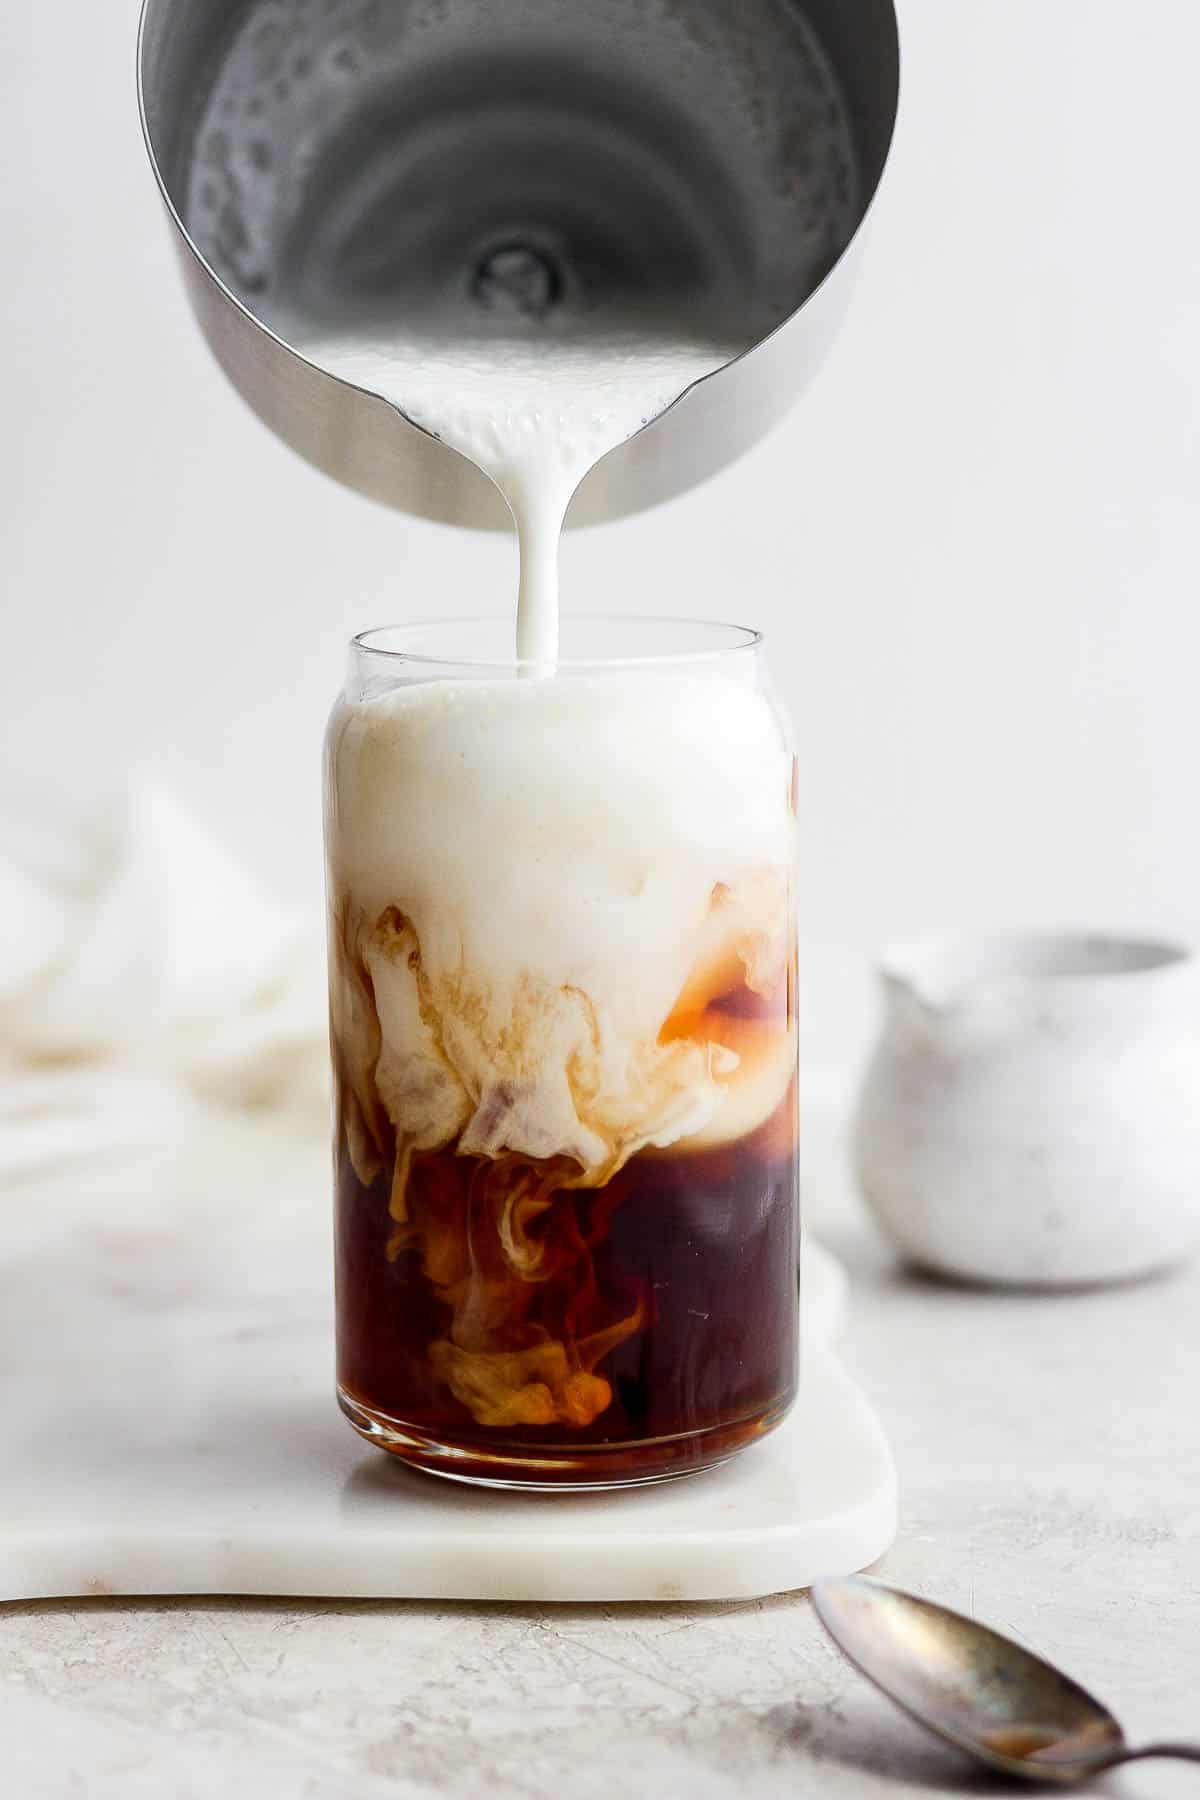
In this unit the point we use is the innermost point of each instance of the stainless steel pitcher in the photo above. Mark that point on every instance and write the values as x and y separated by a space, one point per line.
324 158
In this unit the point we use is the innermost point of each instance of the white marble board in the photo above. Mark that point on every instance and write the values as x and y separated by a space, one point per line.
165 1328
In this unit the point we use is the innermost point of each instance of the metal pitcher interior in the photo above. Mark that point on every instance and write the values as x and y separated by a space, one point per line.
337 163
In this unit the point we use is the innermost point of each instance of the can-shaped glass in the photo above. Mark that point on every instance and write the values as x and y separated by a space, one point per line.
562 963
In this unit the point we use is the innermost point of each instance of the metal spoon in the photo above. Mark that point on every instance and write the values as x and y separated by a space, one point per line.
976 1689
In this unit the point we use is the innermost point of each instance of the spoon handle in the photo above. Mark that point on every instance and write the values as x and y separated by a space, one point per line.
1182 1752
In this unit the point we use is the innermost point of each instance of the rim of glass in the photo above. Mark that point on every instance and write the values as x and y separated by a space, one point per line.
741 639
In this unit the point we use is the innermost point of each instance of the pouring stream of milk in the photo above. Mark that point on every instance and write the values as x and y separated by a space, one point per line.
535 414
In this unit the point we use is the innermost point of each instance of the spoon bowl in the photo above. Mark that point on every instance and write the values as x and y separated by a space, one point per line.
978 1690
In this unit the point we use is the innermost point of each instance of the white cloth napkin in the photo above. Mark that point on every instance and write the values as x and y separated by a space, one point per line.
141 969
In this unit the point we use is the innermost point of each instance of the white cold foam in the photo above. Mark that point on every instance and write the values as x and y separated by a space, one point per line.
534 415
551 851
597 786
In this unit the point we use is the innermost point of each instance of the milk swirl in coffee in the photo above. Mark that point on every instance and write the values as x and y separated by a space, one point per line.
562 953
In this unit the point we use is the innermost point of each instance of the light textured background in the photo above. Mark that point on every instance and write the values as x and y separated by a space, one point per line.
973 544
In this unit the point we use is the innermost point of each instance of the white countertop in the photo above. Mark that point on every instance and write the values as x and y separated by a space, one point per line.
1049 1455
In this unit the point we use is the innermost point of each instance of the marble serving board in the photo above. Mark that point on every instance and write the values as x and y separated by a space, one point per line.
169 1424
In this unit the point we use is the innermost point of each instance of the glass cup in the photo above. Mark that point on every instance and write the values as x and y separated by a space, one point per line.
562 1006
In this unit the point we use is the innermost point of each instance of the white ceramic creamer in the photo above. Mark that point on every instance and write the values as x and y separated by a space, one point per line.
1032 1112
